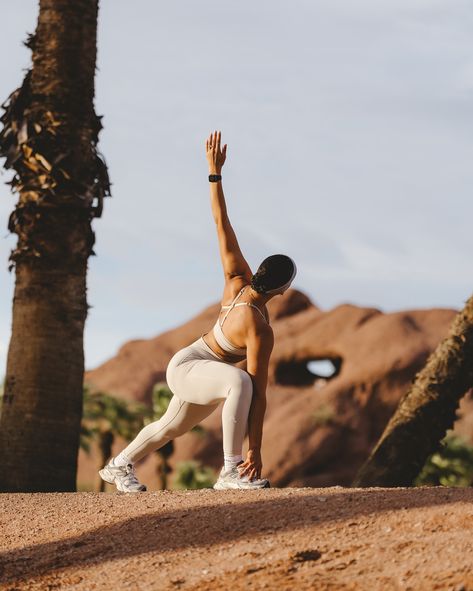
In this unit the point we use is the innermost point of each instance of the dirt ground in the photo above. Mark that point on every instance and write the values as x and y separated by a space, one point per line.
299 538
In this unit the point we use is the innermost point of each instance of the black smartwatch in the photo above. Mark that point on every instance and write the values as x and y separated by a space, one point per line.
214 178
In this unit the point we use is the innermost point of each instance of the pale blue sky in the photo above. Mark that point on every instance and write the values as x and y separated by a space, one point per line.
350 134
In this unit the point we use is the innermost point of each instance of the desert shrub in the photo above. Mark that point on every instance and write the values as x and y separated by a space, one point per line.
192 475
451 465
323 415
105 417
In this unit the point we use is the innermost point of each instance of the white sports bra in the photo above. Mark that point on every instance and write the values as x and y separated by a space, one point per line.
217 328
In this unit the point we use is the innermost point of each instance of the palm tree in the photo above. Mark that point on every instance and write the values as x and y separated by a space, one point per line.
104 418
426 411
49 138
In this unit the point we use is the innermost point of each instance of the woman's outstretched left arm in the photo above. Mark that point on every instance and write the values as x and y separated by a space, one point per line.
233 261
259 347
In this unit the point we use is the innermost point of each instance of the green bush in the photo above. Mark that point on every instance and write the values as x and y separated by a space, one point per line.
103 414
451 465
323 415
192 475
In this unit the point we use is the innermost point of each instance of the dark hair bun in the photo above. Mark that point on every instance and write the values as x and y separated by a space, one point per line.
258 284
274 272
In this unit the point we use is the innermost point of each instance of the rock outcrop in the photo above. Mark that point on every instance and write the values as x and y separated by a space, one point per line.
318 430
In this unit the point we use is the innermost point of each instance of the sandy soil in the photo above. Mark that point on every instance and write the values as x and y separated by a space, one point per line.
322 539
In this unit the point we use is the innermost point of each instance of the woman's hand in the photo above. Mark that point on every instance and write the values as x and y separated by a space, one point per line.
252 466
215 155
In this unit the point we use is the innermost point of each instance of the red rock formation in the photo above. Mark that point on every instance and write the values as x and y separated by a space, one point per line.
317 431
139 364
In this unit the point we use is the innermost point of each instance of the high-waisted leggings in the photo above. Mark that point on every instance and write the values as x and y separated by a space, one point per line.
199 381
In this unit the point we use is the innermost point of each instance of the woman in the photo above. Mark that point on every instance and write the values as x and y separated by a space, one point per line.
203 374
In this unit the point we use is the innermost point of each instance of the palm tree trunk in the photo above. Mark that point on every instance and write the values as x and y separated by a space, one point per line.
49 138
426 411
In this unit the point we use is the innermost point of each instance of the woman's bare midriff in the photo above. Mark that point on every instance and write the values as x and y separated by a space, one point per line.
212 343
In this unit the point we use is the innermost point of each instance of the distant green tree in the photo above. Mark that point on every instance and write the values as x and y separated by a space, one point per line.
451 465
192 475
104 417
160 399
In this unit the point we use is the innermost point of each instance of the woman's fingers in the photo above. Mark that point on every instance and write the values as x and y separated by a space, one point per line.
216 153
214 141
250 470
243 471
244 468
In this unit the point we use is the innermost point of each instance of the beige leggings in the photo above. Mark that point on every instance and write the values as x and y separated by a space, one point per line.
199 380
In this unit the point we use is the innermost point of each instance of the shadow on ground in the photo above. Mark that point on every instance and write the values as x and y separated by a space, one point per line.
199 526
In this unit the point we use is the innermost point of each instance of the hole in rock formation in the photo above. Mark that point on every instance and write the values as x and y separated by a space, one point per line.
306 372
322 368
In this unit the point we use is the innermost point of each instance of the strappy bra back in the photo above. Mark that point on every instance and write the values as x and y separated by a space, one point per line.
218 333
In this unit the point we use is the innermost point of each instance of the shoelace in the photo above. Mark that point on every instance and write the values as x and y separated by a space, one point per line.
130 477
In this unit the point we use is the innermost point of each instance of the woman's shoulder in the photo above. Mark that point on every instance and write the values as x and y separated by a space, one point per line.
232 288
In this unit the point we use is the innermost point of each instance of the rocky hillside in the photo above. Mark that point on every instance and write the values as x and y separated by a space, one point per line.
318 430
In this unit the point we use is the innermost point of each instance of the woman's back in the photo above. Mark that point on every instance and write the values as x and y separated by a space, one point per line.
230 328
220 336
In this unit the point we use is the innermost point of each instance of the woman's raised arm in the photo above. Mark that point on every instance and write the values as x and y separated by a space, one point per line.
233 261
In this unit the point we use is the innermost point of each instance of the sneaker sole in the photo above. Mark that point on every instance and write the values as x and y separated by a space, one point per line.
110 478
229 486
105 475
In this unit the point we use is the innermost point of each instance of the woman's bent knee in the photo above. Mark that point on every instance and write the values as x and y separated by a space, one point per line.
241 383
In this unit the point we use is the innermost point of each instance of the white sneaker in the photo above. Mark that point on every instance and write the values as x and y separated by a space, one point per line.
232 479
123 477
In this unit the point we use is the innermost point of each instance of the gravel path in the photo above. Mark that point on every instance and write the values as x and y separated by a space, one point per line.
300 538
